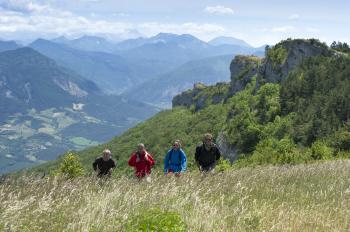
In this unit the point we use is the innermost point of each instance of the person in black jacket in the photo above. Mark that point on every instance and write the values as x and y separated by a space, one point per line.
104 165
207 154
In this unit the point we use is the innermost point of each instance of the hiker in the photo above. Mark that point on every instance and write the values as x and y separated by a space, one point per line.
142 161
104 165
175 160
207 154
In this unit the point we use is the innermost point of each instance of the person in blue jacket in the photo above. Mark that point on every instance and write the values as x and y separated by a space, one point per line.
175 160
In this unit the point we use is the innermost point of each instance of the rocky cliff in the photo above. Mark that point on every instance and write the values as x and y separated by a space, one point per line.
243 69
286 55
279 61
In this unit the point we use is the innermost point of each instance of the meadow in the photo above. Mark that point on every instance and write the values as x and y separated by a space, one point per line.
303 197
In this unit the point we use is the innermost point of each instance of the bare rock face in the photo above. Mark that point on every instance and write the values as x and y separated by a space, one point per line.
187 98
227 150
70 87
243 69
286 55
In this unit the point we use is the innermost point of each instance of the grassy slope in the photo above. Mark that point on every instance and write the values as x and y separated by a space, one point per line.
312 197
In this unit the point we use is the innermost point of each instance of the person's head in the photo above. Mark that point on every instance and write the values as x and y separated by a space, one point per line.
208 139
106 154
140 147
176 145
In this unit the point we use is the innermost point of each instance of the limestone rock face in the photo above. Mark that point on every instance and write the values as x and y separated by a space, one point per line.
286 55
243 69
227 150
187 98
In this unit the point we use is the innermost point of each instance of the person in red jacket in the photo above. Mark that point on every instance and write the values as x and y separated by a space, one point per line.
142 161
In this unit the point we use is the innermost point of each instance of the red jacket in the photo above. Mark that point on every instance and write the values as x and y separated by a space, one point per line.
142 165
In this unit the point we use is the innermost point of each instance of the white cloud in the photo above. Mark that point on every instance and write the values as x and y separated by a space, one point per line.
23 6
55 22
294 17
219 10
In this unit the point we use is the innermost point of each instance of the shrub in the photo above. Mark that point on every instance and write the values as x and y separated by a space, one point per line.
273 151
156 220
278 56
223 165
320 150
342 140
70 166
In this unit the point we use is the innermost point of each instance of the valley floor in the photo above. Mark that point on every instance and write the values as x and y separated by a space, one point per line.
314 197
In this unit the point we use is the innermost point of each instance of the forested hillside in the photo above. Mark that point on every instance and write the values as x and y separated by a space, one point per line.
291 107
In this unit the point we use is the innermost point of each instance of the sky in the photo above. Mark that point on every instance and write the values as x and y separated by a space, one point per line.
255 21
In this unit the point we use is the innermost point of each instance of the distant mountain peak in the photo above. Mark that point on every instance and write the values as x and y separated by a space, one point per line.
89 38
8 45
225 40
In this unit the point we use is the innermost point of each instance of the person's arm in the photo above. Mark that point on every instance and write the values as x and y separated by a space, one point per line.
183 161
114 164
132 160
150 160
218 154
166 162
112 167
196 155
94 164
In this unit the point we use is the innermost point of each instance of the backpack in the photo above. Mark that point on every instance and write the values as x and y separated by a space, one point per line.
171 153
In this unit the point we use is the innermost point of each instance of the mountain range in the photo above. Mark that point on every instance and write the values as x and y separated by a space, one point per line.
54 94
134 61
47 109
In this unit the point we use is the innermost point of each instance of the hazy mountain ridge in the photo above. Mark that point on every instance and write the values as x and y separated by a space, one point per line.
46 109
8 45
160 54
162 89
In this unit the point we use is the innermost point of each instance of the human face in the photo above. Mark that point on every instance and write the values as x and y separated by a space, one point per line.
208 141
176 146
106 156
140 149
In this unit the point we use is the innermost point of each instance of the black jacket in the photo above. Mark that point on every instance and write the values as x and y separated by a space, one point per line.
206 158
103 166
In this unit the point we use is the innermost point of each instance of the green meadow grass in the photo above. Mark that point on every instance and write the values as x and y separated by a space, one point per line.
306 197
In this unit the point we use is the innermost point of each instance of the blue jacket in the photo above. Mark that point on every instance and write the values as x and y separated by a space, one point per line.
175 160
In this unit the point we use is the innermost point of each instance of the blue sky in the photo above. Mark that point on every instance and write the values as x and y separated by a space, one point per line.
255 21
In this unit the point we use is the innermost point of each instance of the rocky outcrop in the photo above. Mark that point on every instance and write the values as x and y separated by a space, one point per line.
243 69
279 61
286 55
201 96
187 98
227 150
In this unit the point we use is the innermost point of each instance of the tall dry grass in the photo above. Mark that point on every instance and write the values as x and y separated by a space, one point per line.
312 197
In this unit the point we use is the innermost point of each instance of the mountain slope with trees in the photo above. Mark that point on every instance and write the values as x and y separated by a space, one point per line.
277 116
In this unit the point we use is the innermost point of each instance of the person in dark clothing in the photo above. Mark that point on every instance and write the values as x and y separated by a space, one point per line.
104 165
207 154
